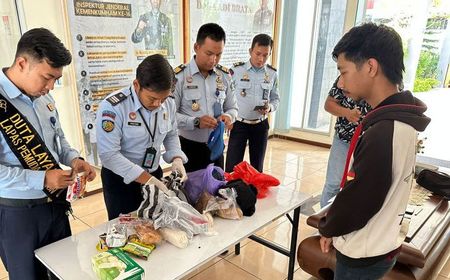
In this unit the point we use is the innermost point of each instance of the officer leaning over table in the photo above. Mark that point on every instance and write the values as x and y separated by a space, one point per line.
132 124
33 209
203 97
256 87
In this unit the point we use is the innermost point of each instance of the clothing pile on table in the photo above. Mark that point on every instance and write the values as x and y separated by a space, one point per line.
191 205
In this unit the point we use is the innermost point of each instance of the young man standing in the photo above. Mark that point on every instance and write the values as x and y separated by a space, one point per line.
33 210
203 97
256 90
366 222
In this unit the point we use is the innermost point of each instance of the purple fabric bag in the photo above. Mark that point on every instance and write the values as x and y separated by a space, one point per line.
204 180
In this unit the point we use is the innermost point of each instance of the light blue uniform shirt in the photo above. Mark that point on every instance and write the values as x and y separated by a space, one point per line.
254 87
193 87
122 149
15 181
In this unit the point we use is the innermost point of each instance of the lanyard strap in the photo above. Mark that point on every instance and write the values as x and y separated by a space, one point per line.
152 135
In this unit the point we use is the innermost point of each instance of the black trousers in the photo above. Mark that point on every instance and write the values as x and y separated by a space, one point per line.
25 229
256 135
198 155
121 198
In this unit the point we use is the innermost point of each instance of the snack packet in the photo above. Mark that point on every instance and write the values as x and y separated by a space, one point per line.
77 189
147 233
116 235
138 249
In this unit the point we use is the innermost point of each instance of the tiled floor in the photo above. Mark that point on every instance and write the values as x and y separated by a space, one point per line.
298 166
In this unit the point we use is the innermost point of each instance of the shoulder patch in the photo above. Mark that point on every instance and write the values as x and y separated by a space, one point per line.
271 67
223 69
179 68
116 98
240 63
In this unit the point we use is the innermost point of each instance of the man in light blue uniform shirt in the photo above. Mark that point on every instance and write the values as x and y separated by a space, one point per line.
256 89
32 145
132 124
203 97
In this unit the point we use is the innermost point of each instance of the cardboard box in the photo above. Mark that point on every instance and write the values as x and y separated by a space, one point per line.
115 264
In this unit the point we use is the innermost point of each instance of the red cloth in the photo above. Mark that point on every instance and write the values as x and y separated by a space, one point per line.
251 176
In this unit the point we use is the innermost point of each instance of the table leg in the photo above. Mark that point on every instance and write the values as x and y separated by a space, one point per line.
293 247
237 249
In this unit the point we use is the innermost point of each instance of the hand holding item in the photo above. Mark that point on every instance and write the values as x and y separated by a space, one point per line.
227 121
81 166
57 179
177 165
160 185
207 121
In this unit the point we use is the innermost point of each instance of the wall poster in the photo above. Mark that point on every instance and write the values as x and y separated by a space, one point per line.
241 20
109 39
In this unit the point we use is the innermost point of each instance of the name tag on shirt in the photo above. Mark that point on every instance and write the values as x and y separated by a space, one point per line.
192 87
134 123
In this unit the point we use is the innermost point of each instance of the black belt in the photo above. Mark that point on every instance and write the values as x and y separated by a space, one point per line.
255 121
14 202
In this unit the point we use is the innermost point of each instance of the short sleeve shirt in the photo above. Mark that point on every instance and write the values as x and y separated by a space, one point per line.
345 129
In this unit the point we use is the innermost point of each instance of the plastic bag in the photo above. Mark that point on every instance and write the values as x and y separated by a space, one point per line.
250 175
178 214
209 179
176 237
151 203
147 234
225 207
229 209
175 184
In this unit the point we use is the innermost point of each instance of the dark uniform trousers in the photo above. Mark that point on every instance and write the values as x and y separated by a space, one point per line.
256 135
26 228
198 155
121 198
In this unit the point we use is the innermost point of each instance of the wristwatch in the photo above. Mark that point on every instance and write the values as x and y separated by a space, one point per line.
197 122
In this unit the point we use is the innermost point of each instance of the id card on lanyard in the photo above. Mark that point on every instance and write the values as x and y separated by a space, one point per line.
150 153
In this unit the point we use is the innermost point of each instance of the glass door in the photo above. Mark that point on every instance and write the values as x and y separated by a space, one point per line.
425 30
320 25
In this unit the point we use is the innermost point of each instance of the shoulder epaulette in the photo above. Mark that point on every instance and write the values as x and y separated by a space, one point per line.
240 63
223 69
271 67
179 68
116 98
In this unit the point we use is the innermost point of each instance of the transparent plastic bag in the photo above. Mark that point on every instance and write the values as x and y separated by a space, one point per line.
177 214
225 207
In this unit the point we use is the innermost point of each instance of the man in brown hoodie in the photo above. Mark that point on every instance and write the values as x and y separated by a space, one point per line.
366 222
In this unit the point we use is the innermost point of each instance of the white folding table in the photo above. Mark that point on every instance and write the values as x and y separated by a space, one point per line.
70 258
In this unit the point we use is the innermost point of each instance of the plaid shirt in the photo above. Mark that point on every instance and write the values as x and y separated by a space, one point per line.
344 128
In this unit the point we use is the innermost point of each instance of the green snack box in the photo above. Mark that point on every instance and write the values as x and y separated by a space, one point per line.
114 264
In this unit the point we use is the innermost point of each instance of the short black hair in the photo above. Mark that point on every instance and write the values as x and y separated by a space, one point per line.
262 40
212 31
41 44
155 73
379 42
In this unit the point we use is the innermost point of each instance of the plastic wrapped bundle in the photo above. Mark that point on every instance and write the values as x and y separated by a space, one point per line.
177 214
